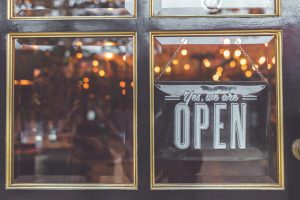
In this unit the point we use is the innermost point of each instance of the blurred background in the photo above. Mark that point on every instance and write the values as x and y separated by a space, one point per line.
73 110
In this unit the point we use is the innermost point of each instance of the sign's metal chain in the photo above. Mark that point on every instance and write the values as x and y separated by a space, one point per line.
238 42
183 42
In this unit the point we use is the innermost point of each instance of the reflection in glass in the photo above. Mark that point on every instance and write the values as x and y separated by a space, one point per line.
35 8
212 7
73 110
215 60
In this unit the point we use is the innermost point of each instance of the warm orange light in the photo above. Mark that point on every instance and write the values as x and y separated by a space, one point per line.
157 69
122 84
86 86
23 82
132 84
248 74
237 53
108 55
187 66
221 51
108 43
269 66
175 62
244 67
243 61
266 44
226 54
123 92
220 69
273 60
219 73
102 73
124 58
95 63
206 63
262 60
79 55
232 64
216 77
79 43
86 79
168 69
184 52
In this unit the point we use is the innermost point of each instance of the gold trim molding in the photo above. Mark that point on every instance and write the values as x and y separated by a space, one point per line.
280 139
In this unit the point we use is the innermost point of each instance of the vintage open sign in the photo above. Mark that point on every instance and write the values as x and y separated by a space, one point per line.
212 120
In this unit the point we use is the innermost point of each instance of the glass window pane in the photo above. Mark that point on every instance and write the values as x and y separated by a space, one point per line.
213 7
74 110
216 110
55 8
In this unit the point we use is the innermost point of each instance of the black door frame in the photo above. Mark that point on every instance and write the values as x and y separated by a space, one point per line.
289 22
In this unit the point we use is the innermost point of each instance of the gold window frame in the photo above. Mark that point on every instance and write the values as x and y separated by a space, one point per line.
10 114
277 9
11 5
280 139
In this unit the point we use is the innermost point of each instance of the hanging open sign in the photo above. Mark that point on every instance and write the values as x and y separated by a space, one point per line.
211 120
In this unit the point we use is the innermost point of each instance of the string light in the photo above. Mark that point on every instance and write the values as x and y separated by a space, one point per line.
237 53
123 92
175 62
243 61
86 79
102 73
86 86
108 55
187 66
184 52
168 69
262 60
274 60
124 58
219 73
157 69
232 64
216 77
248 74
79 55
122 84
132 84
95 63
79 43
269 66
206 63
266 44
226 54
220 69
244 67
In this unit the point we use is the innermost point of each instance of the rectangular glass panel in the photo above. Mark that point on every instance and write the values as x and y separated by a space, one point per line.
56 8
216 110
213 7
73 118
